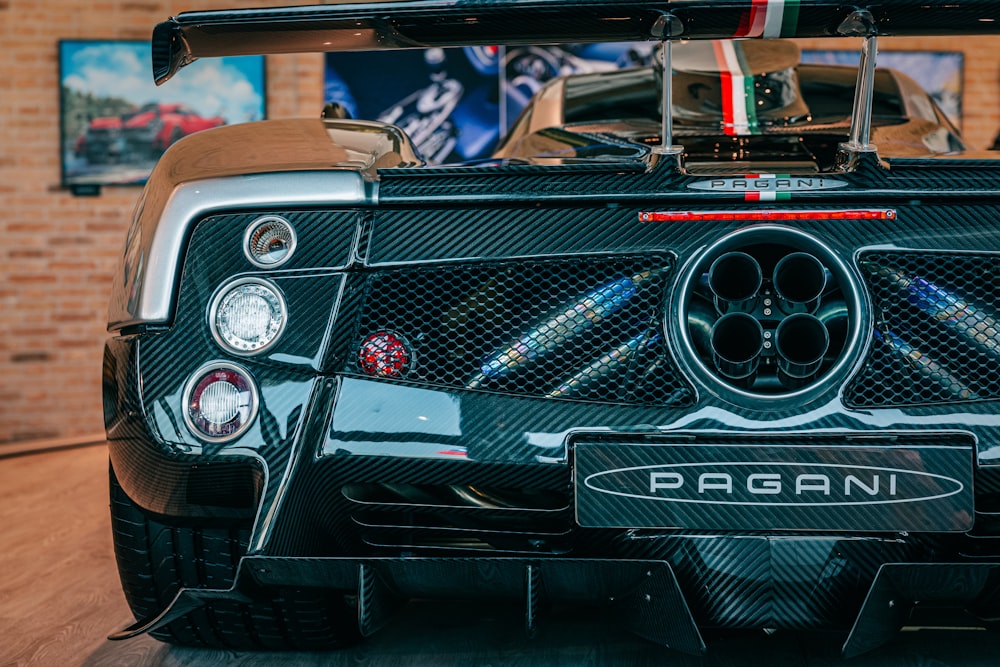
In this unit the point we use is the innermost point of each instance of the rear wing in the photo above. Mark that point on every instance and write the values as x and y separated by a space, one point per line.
401 24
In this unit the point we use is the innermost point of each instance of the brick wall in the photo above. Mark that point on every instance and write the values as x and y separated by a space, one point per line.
58 252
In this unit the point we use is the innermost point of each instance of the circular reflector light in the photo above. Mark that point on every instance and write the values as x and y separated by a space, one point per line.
220 402
384 354
269 241
248 316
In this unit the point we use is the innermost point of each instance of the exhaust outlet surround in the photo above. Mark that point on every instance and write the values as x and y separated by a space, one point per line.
769 312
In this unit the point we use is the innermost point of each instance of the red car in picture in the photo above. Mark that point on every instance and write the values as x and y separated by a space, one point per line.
152 129
102 140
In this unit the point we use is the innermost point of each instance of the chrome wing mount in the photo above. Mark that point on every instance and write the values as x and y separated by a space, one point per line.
859 23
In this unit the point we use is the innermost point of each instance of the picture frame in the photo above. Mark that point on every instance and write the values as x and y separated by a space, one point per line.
115 122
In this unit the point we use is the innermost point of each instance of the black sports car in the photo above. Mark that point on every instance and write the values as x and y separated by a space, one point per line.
713 342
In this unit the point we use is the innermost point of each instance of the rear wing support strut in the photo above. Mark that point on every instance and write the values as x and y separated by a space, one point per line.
861 118
665 27
859 23
862 24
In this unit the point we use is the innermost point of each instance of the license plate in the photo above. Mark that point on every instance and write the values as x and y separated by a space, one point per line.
767 487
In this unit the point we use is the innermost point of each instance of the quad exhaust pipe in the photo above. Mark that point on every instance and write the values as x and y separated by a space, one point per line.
800 343
735 279
799 281
737 342
783 326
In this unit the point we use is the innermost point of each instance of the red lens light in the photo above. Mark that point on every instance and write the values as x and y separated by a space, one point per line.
384 354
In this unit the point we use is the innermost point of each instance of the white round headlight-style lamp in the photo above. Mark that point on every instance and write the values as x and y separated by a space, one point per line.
248 316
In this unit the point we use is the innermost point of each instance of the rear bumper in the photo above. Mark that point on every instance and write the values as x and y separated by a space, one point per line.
386 526
643 595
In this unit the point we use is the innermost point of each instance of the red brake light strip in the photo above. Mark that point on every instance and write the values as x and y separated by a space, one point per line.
766 215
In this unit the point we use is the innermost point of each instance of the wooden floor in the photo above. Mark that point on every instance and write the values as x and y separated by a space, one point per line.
59 598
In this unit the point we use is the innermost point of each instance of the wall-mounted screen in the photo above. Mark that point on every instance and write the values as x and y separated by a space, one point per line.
456 104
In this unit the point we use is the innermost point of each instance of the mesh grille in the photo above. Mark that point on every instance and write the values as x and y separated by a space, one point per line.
937 336
585 329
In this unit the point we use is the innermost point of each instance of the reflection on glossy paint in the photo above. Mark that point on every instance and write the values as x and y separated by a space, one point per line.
380 408
564 325
605 365
947 308
926 366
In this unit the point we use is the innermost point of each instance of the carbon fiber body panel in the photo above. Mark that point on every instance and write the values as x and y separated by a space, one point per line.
341 464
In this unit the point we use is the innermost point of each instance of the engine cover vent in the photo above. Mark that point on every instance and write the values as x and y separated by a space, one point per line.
586 328
936 336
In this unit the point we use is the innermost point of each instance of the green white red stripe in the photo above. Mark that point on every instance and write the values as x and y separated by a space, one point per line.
766 195
738 113
769 19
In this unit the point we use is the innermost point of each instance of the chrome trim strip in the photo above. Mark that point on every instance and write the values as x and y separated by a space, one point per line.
144 292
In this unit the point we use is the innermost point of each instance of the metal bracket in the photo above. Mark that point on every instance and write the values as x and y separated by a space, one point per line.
532 598
376 601
656 610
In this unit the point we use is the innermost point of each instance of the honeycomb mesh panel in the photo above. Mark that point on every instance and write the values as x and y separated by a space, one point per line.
586 328
937 333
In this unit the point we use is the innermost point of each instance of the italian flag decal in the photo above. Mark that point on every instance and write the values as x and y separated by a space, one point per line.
770 18
738 113
765 18
767 195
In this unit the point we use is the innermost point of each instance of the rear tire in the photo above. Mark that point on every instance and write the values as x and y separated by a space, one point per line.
156 559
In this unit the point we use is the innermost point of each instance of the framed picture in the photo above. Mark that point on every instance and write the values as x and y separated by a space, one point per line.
937 72
115 122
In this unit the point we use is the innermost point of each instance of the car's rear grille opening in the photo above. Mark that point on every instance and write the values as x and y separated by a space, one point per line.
582 328
937 329
432 518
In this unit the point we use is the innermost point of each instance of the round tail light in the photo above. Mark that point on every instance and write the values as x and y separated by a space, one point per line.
248 316
385 354
220 402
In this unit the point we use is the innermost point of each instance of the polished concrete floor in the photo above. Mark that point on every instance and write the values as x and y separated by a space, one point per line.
59 598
